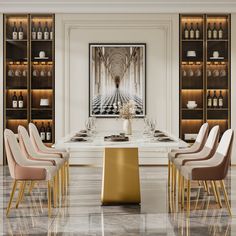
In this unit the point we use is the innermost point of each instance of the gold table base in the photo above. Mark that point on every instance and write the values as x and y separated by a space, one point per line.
120 183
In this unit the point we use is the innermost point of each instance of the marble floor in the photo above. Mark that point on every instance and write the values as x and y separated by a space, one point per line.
82 214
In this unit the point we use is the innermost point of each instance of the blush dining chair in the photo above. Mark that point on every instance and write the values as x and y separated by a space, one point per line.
23 169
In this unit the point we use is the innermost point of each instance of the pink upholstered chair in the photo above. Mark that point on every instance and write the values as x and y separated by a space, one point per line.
23 169
213 169
207 151
42 149
28 149
196 147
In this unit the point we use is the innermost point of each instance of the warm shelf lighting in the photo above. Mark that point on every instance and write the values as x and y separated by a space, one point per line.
192 19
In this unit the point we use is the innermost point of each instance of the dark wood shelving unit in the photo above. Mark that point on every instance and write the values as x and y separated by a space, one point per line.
33 77
203 73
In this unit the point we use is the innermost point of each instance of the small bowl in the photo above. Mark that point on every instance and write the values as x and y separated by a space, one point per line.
191 106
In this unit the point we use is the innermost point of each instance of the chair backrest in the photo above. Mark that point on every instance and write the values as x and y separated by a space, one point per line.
13 152
35 138
202 134
224 150
213 137
25 143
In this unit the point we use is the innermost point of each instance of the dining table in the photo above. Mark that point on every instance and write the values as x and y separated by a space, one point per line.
120 156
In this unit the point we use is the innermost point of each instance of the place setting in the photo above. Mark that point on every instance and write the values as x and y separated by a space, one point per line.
85 135
152 134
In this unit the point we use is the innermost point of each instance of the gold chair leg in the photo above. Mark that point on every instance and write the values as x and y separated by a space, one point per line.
55 191
183 191
207 188
65 181
11 197
21 193
58 186
204 185
226 197
176 181
179 188
49 198
68 173
169 172
218 194
31 186
214 191
188 197
173 177
62 181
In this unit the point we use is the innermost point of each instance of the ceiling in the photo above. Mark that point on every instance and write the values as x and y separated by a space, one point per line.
118 6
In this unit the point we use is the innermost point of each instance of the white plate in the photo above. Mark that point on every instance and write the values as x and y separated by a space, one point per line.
217 58
42 58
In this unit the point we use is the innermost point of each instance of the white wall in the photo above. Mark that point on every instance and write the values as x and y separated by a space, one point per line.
73 34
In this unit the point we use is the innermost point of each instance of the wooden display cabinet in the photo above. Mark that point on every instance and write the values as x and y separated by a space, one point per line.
201 72
25 72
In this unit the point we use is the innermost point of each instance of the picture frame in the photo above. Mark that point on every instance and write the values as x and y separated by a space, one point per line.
117 74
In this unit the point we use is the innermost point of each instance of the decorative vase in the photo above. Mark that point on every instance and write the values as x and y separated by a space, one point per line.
127 126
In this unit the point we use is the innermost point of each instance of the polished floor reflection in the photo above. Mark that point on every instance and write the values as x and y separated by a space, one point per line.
82 214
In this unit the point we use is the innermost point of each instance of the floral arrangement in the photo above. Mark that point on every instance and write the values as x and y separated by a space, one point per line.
127 110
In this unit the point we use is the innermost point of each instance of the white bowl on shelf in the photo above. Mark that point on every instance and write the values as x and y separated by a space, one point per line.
191 106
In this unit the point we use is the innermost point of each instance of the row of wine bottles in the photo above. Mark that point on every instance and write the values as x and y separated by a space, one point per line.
212 32
45 131
214 101
39 33
17 102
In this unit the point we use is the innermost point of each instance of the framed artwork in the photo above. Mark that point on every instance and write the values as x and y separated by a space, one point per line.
117 74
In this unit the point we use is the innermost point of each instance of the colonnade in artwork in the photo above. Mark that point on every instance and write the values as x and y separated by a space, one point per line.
116 76
117 68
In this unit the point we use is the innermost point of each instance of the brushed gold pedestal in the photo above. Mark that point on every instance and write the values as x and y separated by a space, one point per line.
120 183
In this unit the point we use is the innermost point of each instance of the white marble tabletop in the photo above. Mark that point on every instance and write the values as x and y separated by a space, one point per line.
137 139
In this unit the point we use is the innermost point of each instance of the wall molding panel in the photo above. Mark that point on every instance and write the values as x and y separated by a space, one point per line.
71 23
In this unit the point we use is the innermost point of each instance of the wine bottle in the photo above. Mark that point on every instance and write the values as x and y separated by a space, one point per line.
197 32
48 132
14 100
46 31
209 100
186 32
220 32
14 32
20 101
39 32
191 31
21 32
51 33
209 31
42 132
33 32
215 100
215 34
221 100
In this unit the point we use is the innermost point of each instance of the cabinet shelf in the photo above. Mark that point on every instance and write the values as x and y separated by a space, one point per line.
192 40
195 109
16 109
217 40
41 108
196 88
16 40
20 55
217 109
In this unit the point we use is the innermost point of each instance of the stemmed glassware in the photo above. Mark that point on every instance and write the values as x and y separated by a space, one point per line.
90 125
149 126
